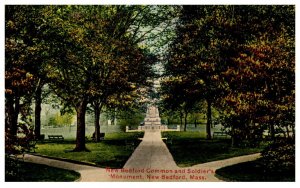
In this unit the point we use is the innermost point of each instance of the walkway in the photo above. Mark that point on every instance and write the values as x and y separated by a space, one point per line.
151 153
151 161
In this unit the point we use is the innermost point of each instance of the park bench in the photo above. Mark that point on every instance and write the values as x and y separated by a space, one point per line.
55 137
168 141
102 135
129 144
220 135
40 137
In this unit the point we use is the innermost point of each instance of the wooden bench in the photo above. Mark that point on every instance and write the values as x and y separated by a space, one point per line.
102 135
129 145
40 138
220 135
55 137
168 141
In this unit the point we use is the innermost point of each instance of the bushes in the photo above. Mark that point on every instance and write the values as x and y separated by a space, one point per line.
132 120
276 164
15 146
61 120
12 166
279 156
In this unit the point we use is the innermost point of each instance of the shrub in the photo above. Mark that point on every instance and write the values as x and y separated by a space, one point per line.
279 156
15 147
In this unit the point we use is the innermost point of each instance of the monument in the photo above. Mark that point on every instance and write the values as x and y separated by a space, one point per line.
152 120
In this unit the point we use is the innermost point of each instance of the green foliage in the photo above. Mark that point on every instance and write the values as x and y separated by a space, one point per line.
242 130
12 167
247 74
85 54
15 147
61 120
124 136
183 135
20 80
198 114
279 156
260 76
132 120
20 143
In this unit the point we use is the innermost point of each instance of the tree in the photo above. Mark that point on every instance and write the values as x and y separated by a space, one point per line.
195 54
264 83
261 86
208 47
20 81
15 74
84 53
95 59
22 59
25 28
177 94
127 27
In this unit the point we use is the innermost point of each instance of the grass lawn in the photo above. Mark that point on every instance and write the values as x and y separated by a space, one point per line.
253 171
110 152
30 172
191 148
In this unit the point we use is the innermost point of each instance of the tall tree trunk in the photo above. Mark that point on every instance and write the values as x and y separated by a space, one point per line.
12 107
80 134
113 117
37 112
185 121
16 115
181 119
113 121
97 111
208 123
233 141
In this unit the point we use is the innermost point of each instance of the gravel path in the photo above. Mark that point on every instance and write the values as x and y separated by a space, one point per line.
151 161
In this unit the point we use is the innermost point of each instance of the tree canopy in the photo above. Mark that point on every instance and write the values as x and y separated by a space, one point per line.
231 57
99 55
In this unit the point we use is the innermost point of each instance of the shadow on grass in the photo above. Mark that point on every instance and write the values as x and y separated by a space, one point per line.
30 172
190 148
254 171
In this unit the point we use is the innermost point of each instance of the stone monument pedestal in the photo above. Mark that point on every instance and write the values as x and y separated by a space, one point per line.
152 120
